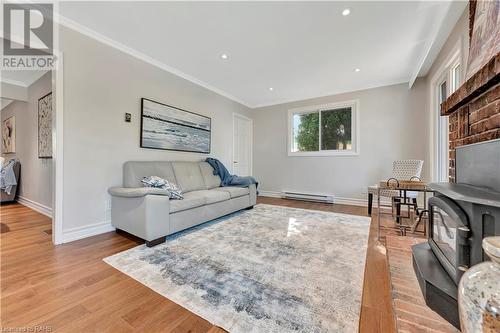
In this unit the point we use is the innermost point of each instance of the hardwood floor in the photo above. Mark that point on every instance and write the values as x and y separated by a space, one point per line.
70 289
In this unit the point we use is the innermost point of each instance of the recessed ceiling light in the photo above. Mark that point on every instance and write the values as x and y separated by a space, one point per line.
357 70
271 89
223 56
346 12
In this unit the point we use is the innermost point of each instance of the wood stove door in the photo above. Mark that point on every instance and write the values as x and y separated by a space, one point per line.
449 235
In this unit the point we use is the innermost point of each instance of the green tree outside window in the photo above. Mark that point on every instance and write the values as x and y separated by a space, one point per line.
308 132
335 130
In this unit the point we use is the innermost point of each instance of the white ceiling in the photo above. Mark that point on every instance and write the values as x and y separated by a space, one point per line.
4 102
22 78
300 49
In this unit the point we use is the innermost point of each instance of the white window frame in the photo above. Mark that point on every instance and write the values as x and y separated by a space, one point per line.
439 146
453 78
442 149
355 140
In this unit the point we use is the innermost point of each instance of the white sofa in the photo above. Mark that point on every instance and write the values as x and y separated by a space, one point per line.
149 214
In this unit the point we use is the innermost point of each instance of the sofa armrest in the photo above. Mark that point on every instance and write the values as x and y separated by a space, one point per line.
147 217
135 192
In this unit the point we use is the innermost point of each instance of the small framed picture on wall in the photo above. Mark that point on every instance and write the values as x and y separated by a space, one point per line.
45 126
9 135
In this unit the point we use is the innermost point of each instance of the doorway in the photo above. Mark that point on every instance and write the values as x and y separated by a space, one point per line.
242 145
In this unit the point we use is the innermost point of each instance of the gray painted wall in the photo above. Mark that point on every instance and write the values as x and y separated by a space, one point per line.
100 85
393 123
36 173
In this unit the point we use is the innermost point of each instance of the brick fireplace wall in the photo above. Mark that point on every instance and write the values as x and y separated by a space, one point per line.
474 110
474 122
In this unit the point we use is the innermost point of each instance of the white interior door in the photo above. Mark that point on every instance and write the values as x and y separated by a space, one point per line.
242 145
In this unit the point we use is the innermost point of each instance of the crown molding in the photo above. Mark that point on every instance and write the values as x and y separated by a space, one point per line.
22 83
4 102
15 83
68 23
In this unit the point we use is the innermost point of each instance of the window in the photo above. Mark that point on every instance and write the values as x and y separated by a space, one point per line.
455 78
442 148
443 92
306 132
449 82
323 130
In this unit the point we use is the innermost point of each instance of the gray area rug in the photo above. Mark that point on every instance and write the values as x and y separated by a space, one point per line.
270 269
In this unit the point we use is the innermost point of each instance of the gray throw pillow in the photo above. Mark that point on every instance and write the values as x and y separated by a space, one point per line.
158 182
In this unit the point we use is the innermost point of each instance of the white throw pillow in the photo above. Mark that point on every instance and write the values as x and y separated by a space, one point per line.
158 182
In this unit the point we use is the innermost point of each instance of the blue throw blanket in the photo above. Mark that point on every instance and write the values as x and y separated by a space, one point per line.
226 178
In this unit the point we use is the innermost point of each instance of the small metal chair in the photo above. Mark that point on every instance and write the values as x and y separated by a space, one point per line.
401 170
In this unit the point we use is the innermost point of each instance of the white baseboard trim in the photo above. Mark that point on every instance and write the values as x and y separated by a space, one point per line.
351 201
270 194
38 207
77 233
360 202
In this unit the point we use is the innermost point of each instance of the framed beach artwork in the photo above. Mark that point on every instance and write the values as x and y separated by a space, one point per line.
9 135
170 128
45 126
485 38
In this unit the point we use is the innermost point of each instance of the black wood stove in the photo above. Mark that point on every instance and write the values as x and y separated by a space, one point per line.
461 214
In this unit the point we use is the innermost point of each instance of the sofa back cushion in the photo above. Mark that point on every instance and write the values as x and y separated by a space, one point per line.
133 171
188 175
211 180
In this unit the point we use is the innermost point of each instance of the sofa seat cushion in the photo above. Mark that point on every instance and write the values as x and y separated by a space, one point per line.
191 200
234 192
195 199
213 196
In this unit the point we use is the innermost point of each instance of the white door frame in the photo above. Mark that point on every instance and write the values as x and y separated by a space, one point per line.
57 149
442 135
235 115
57 137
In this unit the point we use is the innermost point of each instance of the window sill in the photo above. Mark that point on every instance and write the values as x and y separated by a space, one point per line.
323 153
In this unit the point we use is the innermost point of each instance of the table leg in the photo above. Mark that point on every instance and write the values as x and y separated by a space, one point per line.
425 208
414 226
378 214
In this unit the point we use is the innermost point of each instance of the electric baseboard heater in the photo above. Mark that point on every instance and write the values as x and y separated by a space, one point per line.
308 197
